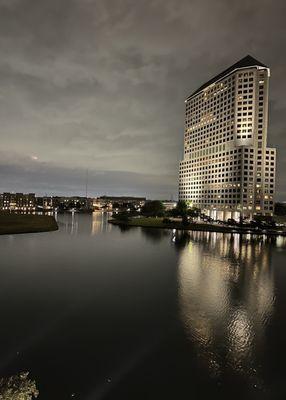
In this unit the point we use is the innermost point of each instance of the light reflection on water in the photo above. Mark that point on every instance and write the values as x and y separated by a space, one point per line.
226 298
137 313
95 223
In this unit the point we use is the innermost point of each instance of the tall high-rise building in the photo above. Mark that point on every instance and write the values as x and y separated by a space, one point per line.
227 170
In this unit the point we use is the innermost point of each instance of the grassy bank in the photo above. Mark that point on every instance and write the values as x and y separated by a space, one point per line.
158 223
19 223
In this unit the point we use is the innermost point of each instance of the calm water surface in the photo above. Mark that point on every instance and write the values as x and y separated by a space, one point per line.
97 312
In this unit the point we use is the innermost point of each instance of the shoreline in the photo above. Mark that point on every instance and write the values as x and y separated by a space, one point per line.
12 224
198 227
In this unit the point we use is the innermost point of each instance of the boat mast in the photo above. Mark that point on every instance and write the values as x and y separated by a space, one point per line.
86 186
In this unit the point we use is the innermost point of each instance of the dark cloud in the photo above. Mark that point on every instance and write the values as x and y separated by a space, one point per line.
100 85
32 175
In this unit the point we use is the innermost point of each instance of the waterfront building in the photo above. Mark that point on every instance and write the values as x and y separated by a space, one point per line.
169 204
228 170
45 203
18 202
116 202
78 202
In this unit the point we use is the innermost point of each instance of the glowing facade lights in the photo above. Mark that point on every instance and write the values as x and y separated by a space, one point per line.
225 147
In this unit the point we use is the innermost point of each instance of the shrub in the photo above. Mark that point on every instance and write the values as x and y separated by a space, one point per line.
18 387
153 208
185 221
122 217
231 222
182 207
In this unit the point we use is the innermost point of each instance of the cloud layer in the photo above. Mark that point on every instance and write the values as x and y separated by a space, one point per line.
100 85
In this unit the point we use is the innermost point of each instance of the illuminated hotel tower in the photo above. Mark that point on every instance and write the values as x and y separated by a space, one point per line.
228 170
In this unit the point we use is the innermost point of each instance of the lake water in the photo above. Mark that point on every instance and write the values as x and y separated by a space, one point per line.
97 312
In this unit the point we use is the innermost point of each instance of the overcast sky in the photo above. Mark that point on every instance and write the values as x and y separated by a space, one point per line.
101 84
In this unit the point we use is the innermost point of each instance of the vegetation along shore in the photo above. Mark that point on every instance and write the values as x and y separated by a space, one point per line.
153 215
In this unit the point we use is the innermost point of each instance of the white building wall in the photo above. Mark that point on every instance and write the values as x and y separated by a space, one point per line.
227 169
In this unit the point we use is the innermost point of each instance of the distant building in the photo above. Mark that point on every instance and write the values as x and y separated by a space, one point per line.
45 203
227 170
169 204
29 202
18 202
110 202
62 203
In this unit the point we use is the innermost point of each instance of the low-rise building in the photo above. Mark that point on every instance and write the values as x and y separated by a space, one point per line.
118 202
18 201
169 204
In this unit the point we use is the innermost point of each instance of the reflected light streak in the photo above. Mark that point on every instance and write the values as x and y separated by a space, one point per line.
226 298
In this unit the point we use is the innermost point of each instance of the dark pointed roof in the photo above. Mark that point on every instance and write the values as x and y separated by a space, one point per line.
245 62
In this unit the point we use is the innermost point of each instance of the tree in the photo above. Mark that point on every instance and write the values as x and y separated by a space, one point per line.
18 387
173 212
280 209
265 221
185 221
182 208
78 205
194 212
154 208
121 217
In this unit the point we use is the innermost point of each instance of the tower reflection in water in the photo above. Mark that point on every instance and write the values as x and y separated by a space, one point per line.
226 299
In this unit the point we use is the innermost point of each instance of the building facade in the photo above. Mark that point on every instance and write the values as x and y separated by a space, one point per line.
114 202
227 170
18 202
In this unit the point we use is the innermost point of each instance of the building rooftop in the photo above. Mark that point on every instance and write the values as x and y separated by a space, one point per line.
247 61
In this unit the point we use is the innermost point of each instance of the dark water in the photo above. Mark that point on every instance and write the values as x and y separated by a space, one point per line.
96 312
